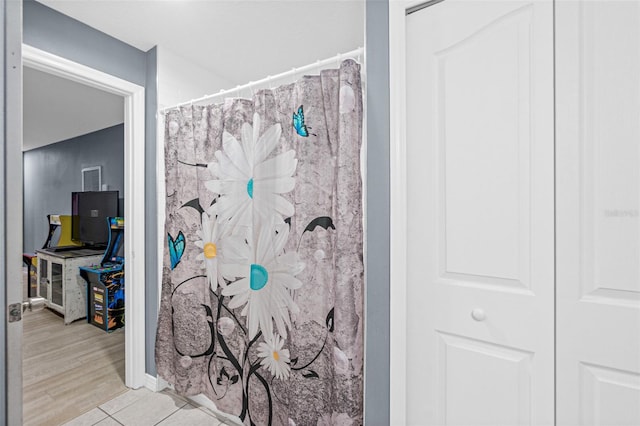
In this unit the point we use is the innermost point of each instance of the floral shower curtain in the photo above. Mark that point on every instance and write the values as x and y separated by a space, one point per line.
262 289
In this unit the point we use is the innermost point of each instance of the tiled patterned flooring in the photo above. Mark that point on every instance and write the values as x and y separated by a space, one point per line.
143 407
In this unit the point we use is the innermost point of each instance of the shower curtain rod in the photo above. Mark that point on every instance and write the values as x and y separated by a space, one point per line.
352 54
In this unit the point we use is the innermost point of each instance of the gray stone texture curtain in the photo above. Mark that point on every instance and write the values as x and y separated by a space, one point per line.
262 288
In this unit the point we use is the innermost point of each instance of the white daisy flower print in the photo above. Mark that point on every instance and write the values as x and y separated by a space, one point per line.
209 243
267 278
274 358
251 185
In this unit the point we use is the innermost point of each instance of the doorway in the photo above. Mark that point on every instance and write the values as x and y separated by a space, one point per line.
517 177
134 143
69 365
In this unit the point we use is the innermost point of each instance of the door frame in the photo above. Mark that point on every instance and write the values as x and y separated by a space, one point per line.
11 212
134 192
398 209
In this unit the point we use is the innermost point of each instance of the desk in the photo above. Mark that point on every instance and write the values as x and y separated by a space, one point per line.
59 281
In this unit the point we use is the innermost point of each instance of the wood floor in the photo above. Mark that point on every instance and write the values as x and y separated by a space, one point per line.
68 370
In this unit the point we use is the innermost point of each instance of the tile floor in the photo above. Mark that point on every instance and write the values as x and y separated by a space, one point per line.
142 407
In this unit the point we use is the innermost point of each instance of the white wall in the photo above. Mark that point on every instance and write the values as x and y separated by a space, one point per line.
180 80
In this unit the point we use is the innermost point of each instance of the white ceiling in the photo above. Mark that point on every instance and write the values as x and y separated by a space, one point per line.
239 40
56 109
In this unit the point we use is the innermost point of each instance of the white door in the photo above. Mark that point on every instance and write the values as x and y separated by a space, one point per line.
11 216
598 219
480 214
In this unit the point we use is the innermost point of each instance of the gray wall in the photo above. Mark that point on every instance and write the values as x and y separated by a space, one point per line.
151 206
52 173
63 36
378 219
46 29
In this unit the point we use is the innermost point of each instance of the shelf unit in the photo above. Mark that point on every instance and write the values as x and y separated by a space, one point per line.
59 281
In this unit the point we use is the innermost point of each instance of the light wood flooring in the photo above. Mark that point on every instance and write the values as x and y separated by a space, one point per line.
68 370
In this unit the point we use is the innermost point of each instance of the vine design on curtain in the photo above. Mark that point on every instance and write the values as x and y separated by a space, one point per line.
262 298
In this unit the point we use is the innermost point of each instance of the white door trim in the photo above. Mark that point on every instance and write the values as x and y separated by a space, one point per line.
134 143
398 210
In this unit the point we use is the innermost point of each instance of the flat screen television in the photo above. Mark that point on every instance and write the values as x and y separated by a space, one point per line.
89 213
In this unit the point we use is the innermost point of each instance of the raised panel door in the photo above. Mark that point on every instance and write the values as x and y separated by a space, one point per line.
598 204
480 290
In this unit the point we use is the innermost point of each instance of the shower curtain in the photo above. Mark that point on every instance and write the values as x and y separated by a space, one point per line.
262 288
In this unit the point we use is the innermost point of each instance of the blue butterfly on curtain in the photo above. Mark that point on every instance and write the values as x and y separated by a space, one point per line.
298 124
176 248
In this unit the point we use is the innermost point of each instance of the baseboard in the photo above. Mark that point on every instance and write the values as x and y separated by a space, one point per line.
150 382
155 384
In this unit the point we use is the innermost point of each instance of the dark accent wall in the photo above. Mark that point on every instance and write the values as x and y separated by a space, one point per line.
378 215
49 30
53 172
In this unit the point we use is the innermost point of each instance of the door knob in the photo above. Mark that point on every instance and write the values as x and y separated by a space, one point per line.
33 303
16 309
478 314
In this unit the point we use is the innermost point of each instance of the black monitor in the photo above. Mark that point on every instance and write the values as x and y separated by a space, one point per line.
89 213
